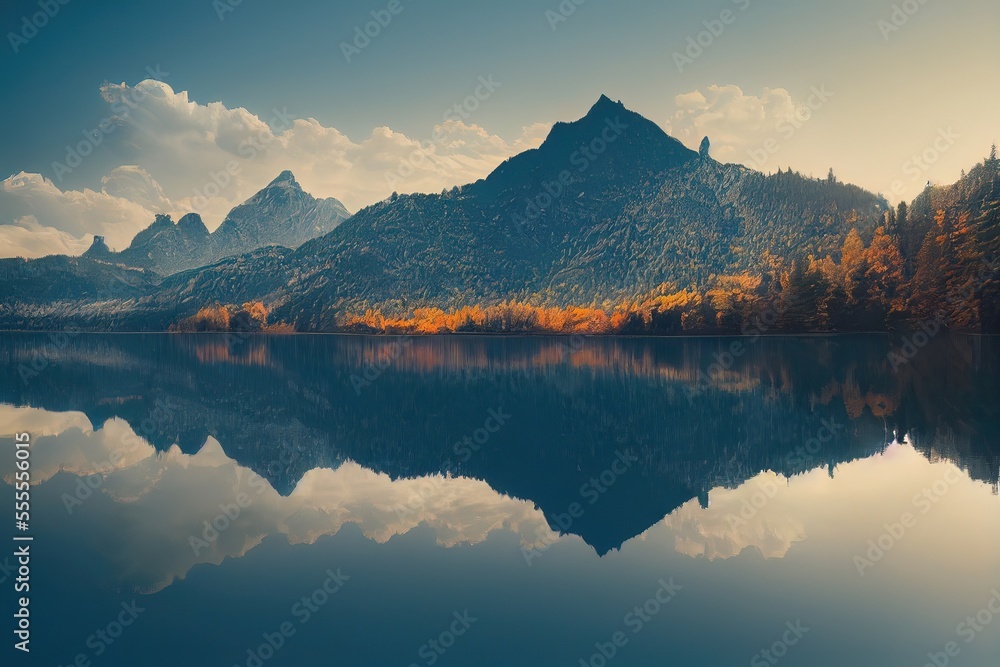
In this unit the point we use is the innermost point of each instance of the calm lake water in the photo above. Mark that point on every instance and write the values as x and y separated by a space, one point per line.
352 501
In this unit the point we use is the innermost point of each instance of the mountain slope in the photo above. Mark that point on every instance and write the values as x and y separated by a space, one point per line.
167 248
281 214
53 292
606 207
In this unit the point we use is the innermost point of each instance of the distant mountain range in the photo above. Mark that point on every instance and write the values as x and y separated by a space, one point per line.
281 214
608 209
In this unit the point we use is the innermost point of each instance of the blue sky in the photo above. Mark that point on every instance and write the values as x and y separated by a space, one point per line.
892 93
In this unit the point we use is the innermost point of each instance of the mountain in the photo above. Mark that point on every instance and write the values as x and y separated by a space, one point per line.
56 290
166 247
281 214
609 209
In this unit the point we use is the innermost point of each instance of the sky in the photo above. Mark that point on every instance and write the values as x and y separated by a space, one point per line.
115 111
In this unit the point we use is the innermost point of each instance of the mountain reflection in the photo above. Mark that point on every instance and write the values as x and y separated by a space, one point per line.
694 421
173 511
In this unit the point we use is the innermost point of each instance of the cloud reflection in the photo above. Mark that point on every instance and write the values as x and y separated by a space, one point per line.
172 511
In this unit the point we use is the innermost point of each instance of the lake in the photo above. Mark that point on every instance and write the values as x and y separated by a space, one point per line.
487 501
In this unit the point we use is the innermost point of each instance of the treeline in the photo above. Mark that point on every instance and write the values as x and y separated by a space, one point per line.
251 317
937 260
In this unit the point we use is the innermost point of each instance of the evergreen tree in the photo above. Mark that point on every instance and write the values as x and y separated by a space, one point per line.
987 227
901 214
802 291
929 286
987 230
964 274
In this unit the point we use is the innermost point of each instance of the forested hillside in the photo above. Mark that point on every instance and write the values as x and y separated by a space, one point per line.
610 226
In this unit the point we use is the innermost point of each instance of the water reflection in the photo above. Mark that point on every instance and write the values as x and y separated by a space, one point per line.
757 489
175 510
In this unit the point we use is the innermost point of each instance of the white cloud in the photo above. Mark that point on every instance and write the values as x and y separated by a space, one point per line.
756 515
180 156
39 422
186 148
734 121
37 218
25 237
134 184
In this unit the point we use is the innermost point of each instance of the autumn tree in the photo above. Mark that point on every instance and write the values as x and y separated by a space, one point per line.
884 277
853 270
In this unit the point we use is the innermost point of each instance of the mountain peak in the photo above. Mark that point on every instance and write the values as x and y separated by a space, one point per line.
192 224
705 149
98 248
611 144
285 178
605 105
